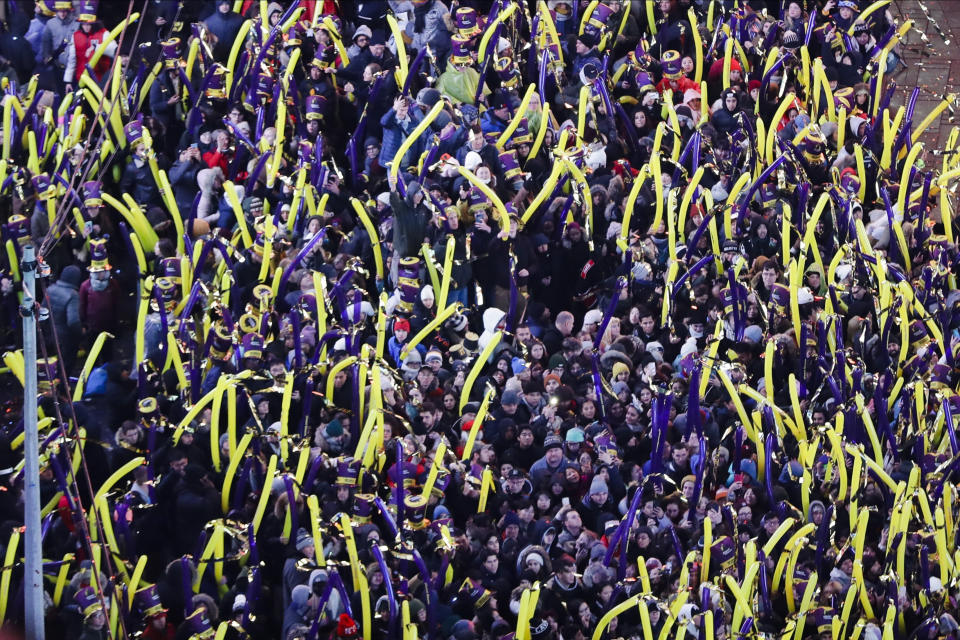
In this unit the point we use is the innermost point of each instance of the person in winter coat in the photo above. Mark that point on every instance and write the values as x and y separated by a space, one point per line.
225 25
100 298
64 305
86 40
410 219
197 502
398 123
431 25
57 36
726 119
183 178
210 182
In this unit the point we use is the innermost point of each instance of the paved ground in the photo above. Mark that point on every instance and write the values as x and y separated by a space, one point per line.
934 64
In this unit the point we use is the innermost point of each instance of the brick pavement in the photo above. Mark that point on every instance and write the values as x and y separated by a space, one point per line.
933 65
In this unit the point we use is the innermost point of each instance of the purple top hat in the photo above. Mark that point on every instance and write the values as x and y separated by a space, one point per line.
348 470
87 601
217 83
221 342
251 346
507 72
42 185
148 601
170 268
478 200
671 64
723 552
98 255
134 132
521 135
467 24
460 50
171 53
88 11
316 107
598 19
508 160
363 506
91 193
199 624
416 508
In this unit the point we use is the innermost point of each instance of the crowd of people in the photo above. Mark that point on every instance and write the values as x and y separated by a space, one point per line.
450 319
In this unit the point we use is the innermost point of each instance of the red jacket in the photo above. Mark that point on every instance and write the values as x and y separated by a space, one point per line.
81 43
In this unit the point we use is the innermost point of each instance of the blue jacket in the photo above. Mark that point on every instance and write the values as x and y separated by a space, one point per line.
396 131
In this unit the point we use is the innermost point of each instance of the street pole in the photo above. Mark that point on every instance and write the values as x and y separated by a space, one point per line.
33 572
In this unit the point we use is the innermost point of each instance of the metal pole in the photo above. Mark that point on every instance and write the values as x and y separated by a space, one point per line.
33 573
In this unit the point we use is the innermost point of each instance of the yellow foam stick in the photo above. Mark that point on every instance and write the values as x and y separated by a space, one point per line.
62 578
585 195
13 543
235 458
491 194
672 271
793 548
727 60
137 221
911 160
229 191
447 268
616 611
118 475
487 484
285 412
795 280
351 549
265 493
106 521
14 362
628 209
477 425
314 509
711 357
687 198
434 470
433 324
738 403
491 29
870 462
412 138
541 132
340 366
371 232
477 367
582 110
518 115
707 541
785 105
547 189
836 452
274 161
742 602
933 115
430 264
401 50
111 36
546 21
738 186
208 552
657 178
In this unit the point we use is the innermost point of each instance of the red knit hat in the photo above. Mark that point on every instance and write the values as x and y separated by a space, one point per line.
346 627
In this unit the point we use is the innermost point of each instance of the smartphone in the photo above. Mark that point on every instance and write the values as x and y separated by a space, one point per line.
194 146
480 217
565 502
